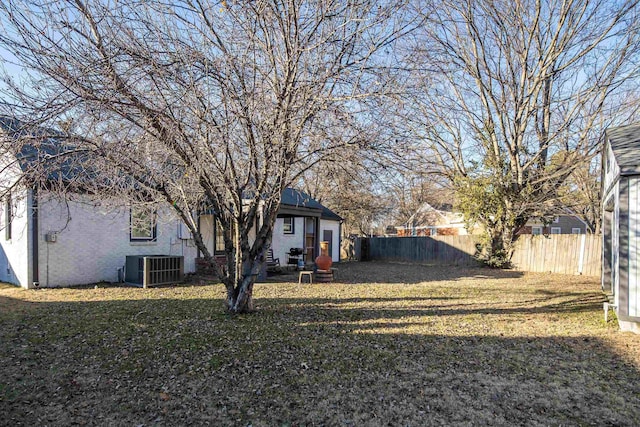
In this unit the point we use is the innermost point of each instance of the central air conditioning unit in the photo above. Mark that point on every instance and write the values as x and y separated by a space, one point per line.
148 270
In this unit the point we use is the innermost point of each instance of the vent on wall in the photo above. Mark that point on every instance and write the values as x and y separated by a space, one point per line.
141 270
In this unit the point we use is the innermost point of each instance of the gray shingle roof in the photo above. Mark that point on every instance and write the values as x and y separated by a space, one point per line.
625 144
42 148
68 164
300 199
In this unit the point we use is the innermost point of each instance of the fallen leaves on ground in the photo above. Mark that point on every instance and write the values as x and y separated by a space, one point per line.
387 344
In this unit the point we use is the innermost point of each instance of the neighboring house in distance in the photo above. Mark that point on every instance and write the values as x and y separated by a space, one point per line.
390 231
562 224
621 223
429 221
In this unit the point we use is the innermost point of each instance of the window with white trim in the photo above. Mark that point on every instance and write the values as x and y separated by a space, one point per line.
556 230
536 231
289 225
143 224
576 231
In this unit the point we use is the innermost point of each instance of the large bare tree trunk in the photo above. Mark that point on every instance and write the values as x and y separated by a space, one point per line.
516 101
213 106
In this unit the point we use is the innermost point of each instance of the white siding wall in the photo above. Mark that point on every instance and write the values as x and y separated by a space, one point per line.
282 243
615 238
92 242
613 170
334 226
14 253
634 247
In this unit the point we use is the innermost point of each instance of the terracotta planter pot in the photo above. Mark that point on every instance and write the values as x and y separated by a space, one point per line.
324 261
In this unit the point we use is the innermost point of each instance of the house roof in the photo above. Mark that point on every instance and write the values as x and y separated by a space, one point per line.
428 216
45 150
625 144
299 199
42 149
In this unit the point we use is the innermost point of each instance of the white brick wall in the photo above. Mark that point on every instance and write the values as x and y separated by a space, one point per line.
14 253
334 226
92 242
282 243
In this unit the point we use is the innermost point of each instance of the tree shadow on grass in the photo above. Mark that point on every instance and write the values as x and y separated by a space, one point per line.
336 307
306 361
405 273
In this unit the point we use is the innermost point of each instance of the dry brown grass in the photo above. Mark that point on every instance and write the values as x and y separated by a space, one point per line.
390 344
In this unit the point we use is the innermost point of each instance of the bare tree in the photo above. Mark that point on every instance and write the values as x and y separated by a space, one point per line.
510 97
202 105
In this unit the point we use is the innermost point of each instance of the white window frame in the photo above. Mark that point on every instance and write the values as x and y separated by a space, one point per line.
536 231
576 230
146 229
556 230
288 225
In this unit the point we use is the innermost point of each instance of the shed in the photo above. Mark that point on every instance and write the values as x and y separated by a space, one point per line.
621 223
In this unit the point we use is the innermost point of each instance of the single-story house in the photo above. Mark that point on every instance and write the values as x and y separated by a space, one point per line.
48 242
621 223
561 224
301 225
429 221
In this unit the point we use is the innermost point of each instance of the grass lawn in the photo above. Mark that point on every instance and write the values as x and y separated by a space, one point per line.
389 344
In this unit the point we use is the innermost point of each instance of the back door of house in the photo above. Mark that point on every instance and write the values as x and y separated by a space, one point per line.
327 236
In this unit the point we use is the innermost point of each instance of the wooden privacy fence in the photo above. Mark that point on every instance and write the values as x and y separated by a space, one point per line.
458 250
560 253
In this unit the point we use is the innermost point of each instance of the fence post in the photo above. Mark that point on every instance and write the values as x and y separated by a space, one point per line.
583 241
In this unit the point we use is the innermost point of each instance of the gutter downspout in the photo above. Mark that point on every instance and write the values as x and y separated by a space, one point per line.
34 238
340 240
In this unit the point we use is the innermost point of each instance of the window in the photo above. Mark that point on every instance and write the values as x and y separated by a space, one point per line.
143 224
536 231
289 225
219 238
556 230
576 231
8 217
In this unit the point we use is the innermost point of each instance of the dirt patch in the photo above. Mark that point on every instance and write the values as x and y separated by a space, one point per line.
386 344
